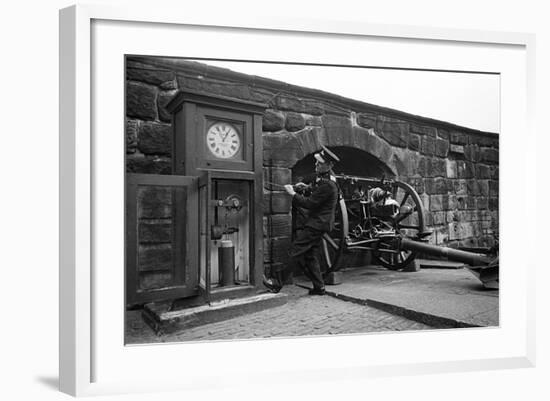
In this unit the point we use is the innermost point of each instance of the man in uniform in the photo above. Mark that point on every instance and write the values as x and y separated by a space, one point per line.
320 205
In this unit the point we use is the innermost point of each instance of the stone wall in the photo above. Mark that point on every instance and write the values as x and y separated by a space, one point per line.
454 169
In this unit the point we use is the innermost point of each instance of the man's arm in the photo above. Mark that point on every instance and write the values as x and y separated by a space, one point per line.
319 195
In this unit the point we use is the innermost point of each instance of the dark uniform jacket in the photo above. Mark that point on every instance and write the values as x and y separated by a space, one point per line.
320 204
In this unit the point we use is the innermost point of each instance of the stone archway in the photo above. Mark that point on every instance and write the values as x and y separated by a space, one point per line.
285 150
353 162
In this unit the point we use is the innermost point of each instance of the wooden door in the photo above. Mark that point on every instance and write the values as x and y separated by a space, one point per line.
162 236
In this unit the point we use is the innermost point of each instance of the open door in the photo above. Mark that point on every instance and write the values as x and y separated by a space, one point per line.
162 236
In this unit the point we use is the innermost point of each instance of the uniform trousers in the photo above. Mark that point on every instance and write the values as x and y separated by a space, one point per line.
304 254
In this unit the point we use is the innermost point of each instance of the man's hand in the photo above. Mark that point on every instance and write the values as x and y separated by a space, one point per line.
290 190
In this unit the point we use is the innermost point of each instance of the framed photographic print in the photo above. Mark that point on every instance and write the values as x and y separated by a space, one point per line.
224 199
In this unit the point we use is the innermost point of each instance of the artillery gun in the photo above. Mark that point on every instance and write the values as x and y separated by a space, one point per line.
386 218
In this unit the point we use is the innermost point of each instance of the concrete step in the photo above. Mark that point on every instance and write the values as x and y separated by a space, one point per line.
165 321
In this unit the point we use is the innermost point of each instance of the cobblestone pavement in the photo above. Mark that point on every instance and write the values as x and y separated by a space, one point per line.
302 315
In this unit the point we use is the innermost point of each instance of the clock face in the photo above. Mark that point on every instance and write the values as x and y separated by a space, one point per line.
223 140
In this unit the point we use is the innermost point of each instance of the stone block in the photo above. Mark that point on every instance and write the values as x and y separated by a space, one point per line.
169 85
190 83
425 198
441 147
482 202
472 187
488 155
412 160
436 167
436 186
439 217
164 98
451 202
465 202
414 142
313 107
465 169
483 187
281 150
440 236
149 165
443 133
451 215
460 230
337 128
483 171
289 103
491 141
471 205
471 153
400 161
436 203
132 127
418 184
423 130
311 139
273 121
428 146
451 168
366 120
313 121
279 225
458 138
460 187
155 257
294 122
278 176
141 101
395 132
229 89
377 147
155 138
150 75
457 149
468 243
277 202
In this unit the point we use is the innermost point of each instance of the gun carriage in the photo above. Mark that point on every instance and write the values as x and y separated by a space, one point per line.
387 219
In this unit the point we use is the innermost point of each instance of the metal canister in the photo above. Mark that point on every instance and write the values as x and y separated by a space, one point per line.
226 263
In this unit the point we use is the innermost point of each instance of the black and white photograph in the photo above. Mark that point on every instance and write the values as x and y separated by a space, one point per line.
276 200
293 200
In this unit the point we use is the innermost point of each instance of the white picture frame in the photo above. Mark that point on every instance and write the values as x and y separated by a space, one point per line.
84 355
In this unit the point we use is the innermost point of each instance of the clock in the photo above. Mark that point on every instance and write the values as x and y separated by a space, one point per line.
216 133
223 140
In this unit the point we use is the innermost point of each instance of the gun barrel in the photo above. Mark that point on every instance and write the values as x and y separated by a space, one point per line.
472 259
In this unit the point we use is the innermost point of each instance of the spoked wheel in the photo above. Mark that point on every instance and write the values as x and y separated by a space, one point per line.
409 223
333 243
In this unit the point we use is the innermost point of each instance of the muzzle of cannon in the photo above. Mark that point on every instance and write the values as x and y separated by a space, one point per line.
485 268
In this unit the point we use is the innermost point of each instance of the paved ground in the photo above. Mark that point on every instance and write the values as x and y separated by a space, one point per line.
438 297
302 315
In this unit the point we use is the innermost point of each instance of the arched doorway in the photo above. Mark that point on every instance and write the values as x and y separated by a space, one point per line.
353 162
